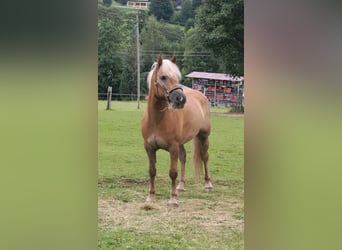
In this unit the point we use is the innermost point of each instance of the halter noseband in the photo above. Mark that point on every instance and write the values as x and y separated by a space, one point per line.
167 91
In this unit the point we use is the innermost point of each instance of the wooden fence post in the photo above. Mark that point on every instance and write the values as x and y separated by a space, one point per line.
109 97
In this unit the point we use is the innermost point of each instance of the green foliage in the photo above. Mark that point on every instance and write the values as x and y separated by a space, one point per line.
107 3
195 56
159 37
152 38
187 11
174 35
128 83
123 2
204 36
161 9
220 24
176 18
196 3
108 44
186 16
113 37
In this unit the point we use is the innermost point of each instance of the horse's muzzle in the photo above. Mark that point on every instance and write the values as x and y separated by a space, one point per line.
177 99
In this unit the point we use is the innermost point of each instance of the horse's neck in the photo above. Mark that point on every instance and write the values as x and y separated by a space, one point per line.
156 108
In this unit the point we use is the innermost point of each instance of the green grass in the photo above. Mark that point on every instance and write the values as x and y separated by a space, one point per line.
220 109
203 220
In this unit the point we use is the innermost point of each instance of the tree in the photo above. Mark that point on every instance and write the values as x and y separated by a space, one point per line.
108 61
152 40
122 2
161 9
196 3
159 37
220 25
128 84
196 56
128 79
186 12
111 40
107 3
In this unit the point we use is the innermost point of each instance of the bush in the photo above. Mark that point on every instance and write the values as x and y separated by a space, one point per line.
107 3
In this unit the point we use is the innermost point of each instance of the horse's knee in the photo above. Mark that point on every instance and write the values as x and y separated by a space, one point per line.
152 171
173 174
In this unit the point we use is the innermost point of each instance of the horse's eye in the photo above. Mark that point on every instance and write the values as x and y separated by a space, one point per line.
163 78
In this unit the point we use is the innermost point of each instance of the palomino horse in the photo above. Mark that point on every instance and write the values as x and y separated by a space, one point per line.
175 115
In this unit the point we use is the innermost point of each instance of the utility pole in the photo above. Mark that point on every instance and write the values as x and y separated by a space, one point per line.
138 63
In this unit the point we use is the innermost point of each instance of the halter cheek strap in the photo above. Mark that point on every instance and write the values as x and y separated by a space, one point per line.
167 91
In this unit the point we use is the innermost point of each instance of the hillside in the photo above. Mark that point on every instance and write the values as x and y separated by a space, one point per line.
199 45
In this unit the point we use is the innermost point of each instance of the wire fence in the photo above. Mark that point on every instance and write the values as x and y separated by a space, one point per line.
120 97
238 104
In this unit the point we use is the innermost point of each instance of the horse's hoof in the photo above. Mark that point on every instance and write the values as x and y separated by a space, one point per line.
208 186
150 198
180 187
172 203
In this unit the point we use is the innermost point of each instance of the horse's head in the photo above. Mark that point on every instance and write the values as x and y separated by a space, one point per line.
165 77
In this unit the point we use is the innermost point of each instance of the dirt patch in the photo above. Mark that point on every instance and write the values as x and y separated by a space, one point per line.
122 182
133 182
198 214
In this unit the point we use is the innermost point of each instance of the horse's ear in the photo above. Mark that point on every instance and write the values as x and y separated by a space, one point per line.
173 59
160 60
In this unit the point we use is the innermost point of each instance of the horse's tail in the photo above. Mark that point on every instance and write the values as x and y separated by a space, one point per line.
197 150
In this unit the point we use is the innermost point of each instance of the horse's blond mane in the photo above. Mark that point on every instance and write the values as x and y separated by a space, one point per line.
168 68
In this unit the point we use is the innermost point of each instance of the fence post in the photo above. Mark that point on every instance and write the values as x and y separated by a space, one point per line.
109 97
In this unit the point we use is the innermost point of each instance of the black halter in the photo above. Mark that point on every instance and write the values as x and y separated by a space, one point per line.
167 91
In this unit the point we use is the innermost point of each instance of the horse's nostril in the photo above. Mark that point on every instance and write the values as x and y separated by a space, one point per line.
183 99
177 98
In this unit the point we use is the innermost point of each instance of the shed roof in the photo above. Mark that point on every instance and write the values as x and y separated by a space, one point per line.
214 76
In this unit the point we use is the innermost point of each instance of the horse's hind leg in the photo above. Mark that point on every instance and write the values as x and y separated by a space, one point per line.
182 159
205 156
151 152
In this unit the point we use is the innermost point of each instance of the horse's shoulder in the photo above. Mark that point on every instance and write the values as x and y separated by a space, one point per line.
189 92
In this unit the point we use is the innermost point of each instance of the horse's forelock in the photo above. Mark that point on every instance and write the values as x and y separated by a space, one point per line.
171 69
168 67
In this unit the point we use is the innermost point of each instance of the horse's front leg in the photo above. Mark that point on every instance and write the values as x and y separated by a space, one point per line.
151 153
182 159
174 151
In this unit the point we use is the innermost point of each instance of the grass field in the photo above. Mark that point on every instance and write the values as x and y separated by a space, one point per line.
203 220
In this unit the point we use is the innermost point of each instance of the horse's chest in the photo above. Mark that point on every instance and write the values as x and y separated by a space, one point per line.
162 136
157 141
163 132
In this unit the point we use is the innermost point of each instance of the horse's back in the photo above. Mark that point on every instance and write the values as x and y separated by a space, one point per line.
196 100
196 94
